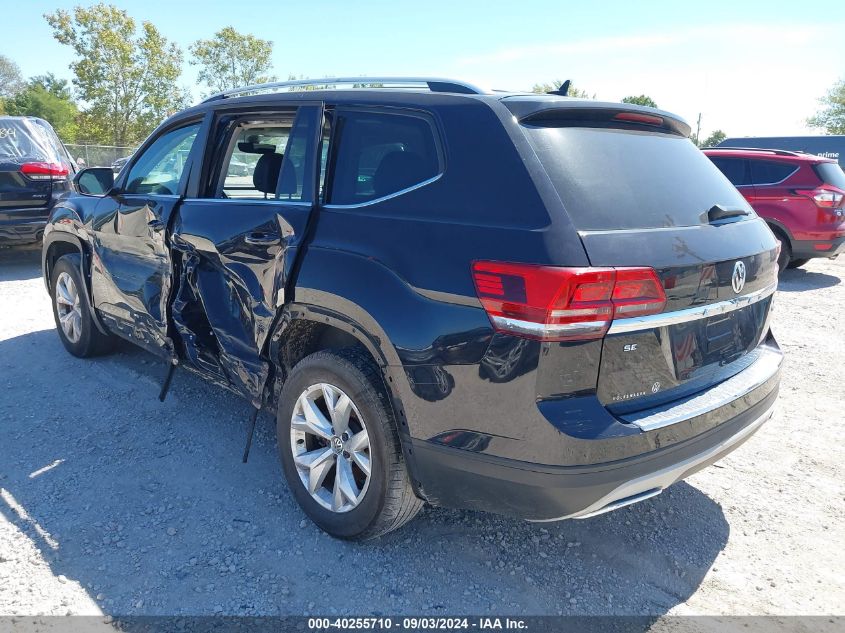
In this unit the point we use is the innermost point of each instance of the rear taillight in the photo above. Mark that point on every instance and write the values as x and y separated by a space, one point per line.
823 197
44 171
564 304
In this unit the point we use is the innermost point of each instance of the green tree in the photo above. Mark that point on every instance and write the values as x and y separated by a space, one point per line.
232 59
49 98
127 79
643 100
714 139
10 78
831 118
572 92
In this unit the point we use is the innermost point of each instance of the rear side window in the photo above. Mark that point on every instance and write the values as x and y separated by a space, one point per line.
735 169
611 178
831 174
769 172
253 143
378 154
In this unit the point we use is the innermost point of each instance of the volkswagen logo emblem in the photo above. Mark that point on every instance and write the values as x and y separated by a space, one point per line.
738 277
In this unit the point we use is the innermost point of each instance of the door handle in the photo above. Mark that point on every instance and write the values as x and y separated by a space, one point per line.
262 239
155 225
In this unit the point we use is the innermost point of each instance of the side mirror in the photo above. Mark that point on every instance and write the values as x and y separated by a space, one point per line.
94 181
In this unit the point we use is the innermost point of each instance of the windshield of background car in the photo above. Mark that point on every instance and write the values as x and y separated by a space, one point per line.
616 179
23 140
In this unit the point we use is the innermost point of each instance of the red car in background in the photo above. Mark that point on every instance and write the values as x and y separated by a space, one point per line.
801 197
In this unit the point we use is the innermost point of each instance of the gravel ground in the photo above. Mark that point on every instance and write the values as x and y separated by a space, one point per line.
111 502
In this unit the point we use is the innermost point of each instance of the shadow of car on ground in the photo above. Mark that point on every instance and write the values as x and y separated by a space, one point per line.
20 263
149 504
800 279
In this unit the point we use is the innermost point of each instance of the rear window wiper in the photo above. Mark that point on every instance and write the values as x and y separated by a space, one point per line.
718 212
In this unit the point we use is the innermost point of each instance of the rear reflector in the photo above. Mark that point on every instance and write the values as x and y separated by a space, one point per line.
564 304
44 171
822 247
636 117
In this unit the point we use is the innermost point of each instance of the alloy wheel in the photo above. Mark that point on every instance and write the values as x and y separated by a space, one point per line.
67 307
331 447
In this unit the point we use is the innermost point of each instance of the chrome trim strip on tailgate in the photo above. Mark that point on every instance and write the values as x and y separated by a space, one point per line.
635 324
529 328
722 394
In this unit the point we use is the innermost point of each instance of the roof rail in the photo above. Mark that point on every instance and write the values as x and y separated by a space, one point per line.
432 84
777 152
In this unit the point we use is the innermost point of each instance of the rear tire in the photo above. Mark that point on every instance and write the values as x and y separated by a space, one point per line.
320 435
74 323
785 251
796 263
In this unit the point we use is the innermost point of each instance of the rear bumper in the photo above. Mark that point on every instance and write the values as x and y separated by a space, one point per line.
21 231
807 249
23 225
454 478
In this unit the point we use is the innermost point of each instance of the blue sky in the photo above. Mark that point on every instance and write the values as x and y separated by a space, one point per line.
749 67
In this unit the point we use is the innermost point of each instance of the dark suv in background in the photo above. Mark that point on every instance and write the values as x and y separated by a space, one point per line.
526 304
801 196
35 168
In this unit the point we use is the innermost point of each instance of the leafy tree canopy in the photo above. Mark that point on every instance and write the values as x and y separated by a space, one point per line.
643 100
714 139
10 77
125 78
232 59
831 118
49 98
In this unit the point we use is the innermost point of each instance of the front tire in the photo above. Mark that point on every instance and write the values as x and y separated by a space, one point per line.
340 449
74 323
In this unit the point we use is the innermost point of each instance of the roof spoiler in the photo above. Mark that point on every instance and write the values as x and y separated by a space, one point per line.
598 114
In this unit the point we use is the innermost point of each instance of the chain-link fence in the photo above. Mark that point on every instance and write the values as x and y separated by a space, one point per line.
97 155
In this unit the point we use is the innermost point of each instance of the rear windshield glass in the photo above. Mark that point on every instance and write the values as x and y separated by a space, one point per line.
832 174
621 179
26 139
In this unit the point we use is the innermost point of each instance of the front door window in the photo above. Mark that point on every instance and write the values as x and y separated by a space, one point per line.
160 168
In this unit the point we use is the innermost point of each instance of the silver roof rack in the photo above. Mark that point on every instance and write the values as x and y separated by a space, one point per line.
432 84
777 152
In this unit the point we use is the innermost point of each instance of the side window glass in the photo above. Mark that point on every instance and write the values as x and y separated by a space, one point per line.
159 169
734 169
768 172
379 154
270 160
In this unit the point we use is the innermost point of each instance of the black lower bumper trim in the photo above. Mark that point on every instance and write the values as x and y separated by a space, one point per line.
21 232
461 479
806 249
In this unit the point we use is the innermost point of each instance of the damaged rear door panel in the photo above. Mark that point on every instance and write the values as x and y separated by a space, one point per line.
235 244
